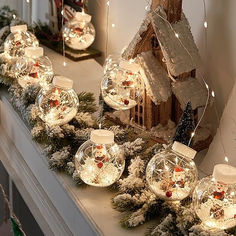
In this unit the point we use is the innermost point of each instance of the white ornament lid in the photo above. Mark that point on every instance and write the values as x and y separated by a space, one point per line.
81 16
183 150
102 136
225 173
34 52
129 65
18 28
62 82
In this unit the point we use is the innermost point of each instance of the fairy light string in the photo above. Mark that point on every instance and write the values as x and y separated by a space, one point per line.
205 24
201 75
63 40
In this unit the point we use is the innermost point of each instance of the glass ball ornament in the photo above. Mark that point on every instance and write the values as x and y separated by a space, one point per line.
100 161
214 198
172 174
79 33
33 68
57 102
122 84
18 40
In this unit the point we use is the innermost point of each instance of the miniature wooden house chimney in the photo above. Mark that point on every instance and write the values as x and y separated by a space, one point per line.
173 8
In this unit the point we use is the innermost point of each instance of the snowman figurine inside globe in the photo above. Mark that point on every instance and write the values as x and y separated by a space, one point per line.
122 85
57 102
18 40
171 174
79 33
214 198
100 161
33 68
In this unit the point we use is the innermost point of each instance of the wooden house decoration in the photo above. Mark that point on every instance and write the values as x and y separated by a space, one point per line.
164 47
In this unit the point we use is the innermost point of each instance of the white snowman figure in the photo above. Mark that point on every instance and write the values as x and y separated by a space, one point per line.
221 189
100 156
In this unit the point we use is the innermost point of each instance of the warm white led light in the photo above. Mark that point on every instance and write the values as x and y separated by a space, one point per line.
176 35
113 25
213 94
205 24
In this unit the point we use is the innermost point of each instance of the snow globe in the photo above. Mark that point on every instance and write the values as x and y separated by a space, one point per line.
18 40
79 33
57 102
100 161
122 85
33 68
214 198
172 174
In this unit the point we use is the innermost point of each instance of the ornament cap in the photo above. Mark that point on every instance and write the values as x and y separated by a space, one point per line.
102 136
34 52
18 28
81 16
225 173
183 150
130 65
63 82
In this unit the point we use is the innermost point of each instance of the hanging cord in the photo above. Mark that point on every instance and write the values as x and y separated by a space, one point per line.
107 27
63 39
12 215
101 101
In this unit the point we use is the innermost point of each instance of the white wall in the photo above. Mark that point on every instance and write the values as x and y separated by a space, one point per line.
13 4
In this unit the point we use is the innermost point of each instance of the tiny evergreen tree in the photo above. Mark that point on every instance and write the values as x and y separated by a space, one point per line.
185 126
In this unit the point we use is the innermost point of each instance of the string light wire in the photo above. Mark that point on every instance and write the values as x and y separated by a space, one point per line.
201 75
63 40
107 27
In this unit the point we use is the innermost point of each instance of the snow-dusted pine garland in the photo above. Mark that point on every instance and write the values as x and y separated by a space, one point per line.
133 195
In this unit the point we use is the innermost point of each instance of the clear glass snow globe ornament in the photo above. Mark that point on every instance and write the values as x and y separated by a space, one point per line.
122 84
100 161
33 68
214 198
18 40
57 102
172 174
79 33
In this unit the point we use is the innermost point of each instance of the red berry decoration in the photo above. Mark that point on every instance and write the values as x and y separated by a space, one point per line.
168 193
234 216
126 102
100 165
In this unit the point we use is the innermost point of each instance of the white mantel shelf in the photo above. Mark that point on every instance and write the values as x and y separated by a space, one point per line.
58 205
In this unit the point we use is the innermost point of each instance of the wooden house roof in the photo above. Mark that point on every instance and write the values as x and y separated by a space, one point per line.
190 90
156 79
177 58
131 50
176 52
